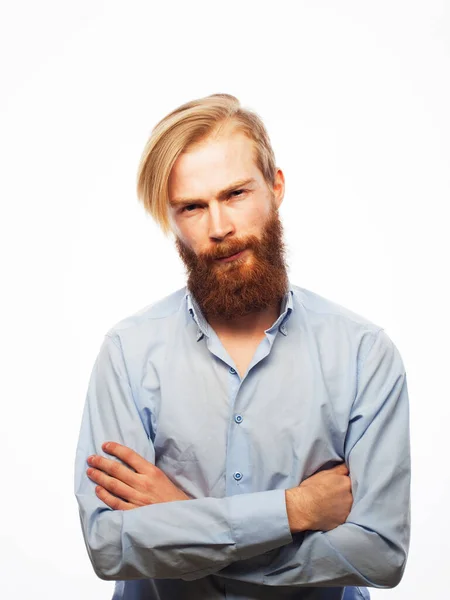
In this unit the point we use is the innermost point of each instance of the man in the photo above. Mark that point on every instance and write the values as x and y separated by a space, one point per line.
243 437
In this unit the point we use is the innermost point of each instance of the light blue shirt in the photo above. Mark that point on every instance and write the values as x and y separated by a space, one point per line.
325 385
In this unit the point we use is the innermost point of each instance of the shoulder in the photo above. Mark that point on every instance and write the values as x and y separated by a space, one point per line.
318 307
150 314
333 325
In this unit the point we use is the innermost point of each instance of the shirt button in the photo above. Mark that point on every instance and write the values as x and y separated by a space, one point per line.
238 418
232 371
237 475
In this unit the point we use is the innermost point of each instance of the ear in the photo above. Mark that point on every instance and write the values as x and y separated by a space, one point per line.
278 188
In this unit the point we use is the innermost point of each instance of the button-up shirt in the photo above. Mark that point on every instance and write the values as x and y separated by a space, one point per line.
324 386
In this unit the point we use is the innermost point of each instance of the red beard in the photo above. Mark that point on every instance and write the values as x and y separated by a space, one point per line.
246 285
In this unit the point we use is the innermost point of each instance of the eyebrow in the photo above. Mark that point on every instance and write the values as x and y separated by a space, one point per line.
231 188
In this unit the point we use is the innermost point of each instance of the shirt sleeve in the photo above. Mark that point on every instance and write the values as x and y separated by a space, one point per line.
370 548
190 538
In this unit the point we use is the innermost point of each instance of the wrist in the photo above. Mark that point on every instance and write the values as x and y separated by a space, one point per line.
297 515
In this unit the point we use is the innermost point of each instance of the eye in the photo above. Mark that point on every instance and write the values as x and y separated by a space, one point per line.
188 207
238 192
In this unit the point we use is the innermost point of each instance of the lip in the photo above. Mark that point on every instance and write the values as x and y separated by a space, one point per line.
232 257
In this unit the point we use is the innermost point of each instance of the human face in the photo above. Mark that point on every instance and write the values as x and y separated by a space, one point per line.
220 206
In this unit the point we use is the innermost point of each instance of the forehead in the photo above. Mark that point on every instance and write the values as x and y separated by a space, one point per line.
210 165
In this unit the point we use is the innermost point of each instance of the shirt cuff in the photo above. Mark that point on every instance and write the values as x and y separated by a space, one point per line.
259 522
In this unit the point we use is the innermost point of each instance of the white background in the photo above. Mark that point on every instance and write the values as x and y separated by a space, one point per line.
355 96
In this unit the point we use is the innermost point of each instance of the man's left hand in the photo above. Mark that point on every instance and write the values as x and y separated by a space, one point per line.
122 488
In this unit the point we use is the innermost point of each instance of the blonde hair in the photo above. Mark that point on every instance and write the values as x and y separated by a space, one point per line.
187 124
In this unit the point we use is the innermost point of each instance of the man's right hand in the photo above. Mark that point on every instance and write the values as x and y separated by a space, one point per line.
321 502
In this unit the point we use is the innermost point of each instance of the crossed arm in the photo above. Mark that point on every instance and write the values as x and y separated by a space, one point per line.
321 502
138 524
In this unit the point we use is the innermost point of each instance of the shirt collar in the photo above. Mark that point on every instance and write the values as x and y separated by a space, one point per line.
203 327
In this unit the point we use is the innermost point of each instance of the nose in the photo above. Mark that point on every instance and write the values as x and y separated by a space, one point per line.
220 224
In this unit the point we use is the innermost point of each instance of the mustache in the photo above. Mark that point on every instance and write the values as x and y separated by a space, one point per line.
224 251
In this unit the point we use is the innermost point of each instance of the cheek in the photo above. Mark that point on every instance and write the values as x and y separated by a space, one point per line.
192 240
252 223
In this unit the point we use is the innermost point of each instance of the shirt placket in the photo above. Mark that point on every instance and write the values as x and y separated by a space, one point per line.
238 467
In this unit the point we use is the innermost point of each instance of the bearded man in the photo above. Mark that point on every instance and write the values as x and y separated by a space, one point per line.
243 437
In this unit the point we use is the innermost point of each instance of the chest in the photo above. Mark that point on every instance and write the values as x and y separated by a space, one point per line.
276 425
241 351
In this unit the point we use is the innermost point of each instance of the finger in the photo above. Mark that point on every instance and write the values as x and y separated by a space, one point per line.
115 469
341 469
118 488
113 501
128 456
